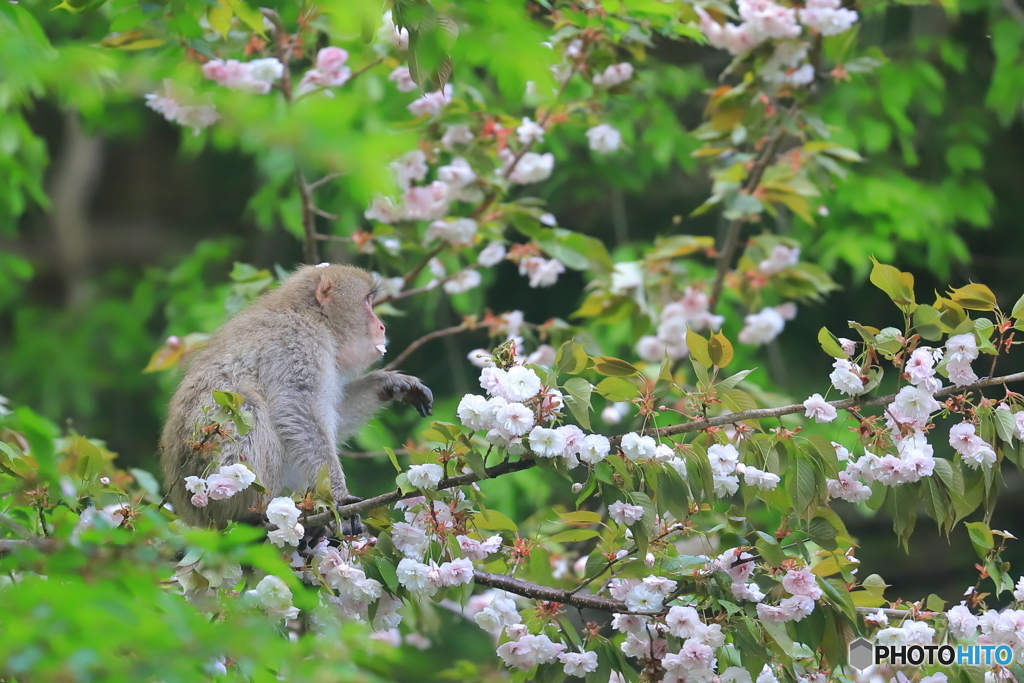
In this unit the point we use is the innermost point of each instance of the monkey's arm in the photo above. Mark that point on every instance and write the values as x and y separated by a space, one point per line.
364 396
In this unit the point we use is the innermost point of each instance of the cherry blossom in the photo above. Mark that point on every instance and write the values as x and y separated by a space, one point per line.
819 409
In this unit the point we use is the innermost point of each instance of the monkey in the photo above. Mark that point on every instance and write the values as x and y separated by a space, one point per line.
298 355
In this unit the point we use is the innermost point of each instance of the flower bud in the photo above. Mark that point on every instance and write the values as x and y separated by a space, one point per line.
576 488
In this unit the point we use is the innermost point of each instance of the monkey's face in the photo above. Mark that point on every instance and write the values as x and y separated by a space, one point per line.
346 295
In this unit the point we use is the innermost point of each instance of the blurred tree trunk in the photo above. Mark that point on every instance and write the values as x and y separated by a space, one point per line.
74 178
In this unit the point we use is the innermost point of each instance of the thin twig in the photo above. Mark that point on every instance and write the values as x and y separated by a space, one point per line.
326 179
415 272
310 251
843 404
331 238
539 592
423 340
394 496
320 212
898 613
732 233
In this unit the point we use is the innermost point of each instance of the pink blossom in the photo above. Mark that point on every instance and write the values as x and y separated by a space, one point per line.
727 562
819 409
846 487
801 582
458 571
624 513
614 74
431 103
736 39
220 487
426 203
578 663
781 257
796 607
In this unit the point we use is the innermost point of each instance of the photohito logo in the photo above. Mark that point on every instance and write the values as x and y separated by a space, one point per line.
863 653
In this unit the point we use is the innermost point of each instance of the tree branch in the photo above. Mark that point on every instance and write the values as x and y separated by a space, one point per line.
310 252
538 592
732 233
423 340
397 495
842 404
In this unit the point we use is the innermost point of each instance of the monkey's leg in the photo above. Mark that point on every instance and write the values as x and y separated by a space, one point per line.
308 445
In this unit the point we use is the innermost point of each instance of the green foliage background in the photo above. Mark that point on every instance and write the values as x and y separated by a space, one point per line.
158 217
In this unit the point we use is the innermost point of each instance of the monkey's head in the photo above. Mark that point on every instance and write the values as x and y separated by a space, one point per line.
344 295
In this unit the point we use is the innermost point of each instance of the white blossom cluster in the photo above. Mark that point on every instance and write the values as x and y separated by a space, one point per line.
907 418
355 591
542 272
689 312
430 201
695 659
761 328
766 20
330 71
182 108
516 414
256 76
225 483
274 596
283 513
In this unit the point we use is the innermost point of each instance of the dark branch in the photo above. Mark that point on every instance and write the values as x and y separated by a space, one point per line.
732 235
423 340
538 592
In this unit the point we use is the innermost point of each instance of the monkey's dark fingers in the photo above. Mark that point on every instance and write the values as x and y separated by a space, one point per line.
349 499
422 398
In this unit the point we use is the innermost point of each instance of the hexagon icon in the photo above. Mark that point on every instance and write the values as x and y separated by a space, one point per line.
861 654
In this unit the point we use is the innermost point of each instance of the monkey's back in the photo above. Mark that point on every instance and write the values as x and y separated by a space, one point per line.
251 354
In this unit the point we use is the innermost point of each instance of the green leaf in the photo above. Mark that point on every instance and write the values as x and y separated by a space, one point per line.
617 389
1018 308
821 532
928 322
580 517
1005 425
770 551
493 520
387 572
614 367
719 350
974 296
899 286
981 538
830 344
698 346
573 535
577 398
393 458
572 358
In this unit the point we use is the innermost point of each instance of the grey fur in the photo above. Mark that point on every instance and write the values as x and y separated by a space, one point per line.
297 355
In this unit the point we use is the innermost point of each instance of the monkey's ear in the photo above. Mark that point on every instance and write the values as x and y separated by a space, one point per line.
323 290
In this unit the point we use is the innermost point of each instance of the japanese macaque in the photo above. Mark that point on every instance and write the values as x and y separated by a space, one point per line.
298 355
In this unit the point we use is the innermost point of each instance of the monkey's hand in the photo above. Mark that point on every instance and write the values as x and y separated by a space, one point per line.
407 389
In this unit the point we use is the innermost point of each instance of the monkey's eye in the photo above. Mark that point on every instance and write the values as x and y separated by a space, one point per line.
372 296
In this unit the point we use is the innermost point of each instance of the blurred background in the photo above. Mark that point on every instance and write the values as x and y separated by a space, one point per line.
144 223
